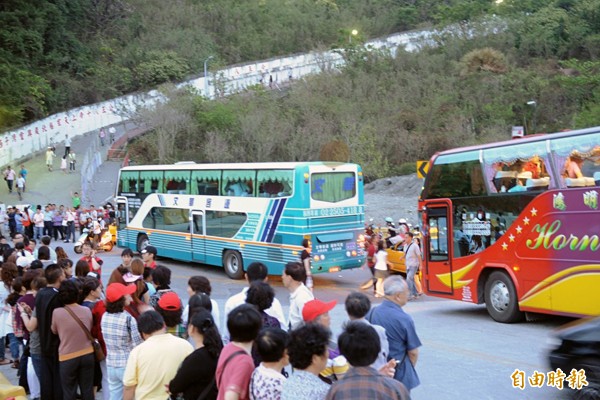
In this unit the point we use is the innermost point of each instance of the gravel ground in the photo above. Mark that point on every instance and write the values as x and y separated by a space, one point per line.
394 197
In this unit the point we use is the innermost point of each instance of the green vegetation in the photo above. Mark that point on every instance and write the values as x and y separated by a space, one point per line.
380 111
386 112
59 54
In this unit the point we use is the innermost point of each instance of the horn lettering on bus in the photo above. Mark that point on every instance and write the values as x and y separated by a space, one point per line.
547 239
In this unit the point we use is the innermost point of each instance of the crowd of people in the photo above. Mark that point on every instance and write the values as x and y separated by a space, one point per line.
377 258
59 222
133 337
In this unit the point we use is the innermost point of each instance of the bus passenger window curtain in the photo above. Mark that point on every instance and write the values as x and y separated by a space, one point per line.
282 176
126 178
177 176
148 177
203 176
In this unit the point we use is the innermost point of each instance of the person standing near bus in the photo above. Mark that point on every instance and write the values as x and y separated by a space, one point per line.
371 250
149 257
412 255
381 268
305 258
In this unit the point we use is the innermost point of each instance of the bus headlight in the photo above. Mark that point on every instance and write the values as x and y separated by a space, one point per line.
317 258
353 253
348 253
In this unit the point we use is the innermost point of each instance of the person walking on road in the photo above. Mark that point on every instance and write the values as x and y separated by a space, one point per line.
67 145
63 164
24 172
112 131
9 177
102 136
50 158
20 186
72 161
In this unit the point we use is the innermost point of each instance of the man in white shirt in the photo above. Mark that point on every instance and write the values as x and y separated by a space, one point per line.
256 271
293 278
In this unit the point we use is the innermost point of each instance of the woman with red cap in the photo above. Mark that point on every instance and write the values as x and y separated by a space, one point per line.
120 333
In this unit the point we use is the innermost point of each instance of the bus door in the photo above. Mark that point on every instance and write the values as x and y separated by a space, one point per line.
122 218
438 242
198 235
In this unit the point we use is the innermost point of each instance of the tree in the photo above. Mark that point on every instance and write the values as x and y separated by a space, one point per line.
168 120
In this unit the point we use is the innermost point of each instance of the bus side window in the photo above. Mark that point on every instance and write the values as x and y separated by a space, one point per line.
239 188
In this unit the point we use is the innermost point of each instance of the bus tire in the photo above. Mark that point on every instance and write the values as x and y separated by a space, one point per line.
501 298
233 263
142 242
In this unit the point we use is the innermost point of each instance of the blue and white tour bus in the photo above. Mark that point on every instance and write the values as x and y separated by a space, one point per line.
235 214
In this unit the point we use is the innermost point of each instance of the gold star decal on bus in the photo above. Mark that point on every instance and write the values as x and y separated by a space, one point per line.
526 221
533 212
519 229
504 246
511 237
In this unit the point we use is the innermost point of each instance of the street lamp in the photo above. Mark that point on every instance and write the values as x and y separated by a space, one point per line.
532 103
206 75
354 32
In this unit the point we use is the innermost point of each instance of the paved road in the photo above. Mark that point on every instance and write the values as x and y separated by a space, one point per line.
464 355
45 187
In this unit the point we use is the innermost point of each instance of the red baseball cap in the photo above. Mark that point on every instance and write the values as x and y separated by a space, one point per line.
116 290
314 308
169 301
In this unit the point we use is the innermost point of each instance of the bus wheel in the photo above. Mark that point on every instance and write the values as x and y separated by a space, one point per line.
501 298
142 242
233 264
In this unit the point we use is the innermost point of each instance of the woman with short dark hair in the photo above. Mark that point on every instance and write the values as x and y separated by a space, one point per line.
161 277
200 285
267 379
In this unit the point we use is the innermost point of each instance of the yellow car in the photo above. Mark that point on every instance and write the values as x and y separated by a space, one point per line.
396 258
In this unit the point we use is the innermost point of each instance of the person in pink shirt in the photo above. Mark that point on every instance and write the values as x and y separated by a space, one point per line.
235 365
